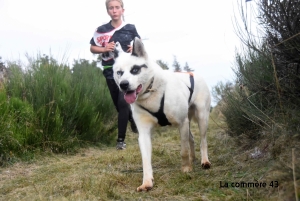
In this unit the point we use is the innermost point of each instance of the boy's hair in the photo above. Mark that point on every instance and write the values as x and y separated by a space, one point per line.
120 1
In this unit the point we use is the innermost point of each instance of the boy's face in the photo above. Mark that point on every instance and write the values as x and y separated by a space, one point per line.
115 10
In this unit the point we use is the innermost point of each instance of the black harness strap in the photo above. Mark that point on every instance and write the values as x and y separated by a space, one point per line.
192 86
160 115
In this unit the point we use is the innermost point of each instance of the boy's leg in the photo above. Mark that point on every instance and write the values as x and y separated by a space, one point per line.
123 116
124 112
115 95
132 123
114 91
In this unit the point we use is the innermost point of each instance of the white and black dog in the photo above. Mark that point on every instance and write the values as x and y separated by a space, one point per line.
161 97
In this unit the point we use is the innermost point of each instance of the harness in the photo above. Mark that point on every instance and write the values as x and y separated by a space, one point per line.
192 86
160 115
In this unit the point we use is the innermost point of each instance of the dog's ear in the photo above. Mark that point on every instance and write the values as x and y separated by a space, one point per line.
138 48
118 49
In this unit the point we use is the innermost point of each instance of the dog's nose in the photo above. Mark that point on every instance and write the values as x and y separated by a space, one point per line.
124 85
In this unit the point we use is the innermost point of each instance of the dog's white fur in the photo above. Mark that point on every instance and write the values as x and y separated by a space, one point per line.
176 107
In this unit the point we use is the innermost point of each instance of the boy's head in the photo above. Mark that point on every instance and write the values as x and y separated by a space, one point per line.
108 1
115 9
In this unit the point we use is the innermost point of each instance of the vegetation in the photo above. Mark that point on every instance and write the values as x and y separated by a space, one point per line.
107 174
265 95
253 132
48 106
261 106
187 68
176 65
162 64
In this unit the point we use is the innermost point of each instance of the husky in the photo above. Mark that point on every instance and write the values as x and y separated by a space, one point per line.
160 97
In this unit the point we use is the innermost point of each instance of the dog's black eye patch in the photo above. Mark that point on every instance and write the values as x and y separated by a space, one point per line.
120 73
137 69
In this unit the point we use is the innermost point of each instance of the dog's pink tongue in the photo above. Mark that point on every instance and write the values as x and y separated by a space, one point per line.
130 97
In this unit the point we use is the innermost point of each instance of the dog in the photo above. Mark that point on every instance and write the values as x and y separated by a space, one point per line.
160 97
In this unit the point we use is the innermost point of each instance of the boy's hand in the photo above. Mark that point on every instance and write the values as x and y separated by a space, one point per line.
129 48
110 46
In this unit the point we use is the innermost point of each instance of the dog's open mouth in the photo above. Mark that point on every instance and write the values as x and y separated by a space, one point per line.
130 96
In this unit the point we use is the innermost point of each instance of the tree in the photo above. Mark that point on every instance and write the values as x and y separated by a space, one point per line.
1 64
3 71
162 64
187 68
176 65
99 58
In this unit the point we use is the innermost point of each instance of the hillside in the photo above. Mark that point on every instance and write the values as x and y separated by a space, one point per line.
103 173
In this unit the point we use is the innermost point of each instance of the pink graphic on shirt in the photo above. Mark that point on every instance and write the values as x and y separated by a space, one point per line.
103 40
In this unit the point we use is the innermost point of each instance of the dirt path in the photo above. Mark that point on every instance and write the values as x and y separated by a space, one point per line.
108 174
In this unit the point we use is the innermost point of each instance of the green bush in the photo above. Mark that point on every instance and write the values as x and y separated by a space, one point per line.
18 133
265 94
64 108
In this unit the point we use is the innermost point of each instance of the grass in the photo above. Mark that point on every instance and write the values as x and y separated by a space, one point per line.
103 173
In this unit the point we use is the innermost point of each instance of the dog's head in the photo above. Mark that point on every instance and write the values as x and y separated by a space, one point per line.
131 70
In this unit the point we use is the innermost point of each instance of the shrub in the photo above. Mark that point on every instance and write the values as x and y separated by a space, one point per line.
18 133
68 107
265 96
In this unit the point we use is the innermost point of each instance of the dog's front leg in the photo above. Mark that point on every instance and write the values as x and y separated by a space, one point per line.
186 165
146 151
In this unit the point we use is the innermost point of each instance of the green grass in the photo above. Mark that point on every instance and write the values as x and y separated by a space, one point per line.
103 173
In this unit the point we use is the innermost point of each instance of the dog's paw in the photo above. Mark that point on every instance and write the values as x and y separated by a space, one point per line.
146 186
143 188
186 169
206 165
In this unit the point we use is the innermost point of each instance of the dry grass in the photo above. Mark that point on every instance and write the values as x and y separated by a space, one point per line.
107 174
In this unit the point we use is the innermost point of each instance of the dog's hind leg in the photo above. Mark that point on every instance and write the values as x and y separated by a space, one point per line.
186 165
202 117
191 137
192 147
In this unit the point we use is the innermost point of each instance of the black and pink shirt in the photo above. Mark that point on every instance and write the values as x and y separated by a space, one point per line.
106 33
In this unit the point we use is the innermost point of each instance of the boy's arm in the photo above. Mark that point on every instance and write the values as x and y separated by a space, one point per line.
135 34
108 48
